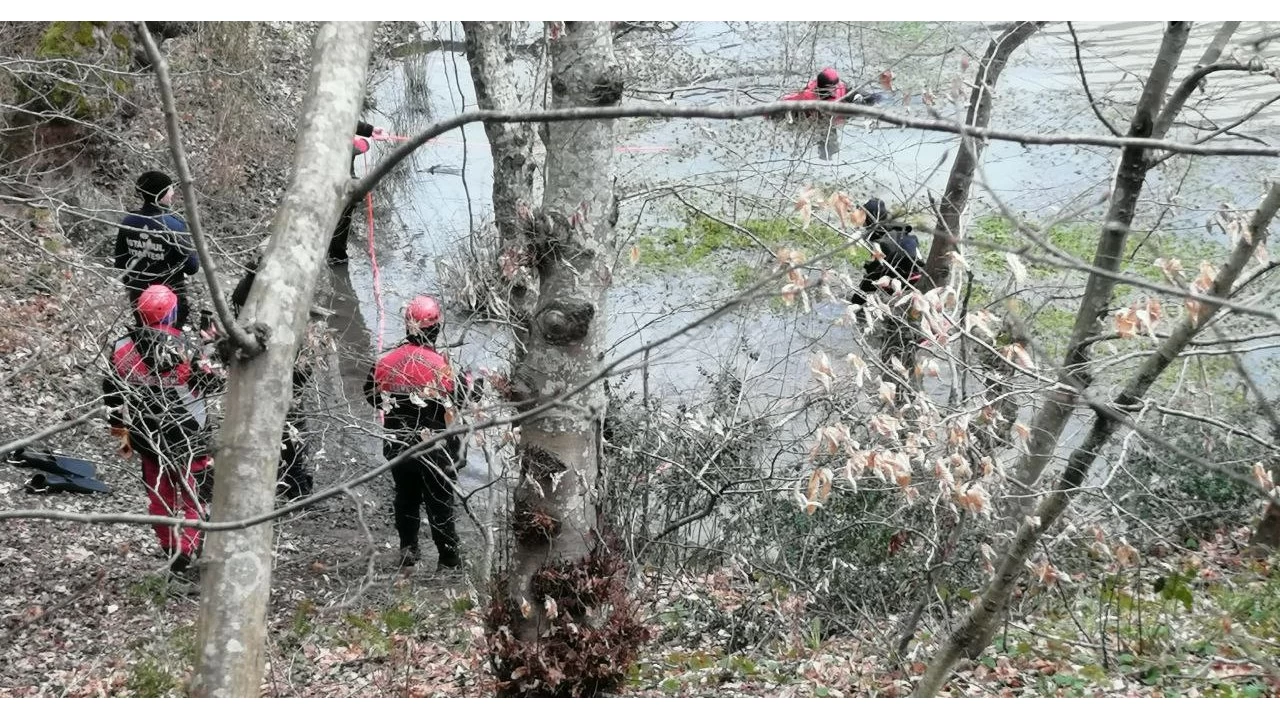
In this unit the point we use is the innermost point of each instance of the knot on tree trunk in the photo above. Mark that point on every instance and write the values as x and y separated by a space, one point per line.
547 231
540 465
565 322
605 91
532 526
228 349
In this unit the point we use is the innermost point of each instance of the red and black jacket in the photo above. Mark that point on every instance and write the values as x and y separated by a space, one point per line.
156 388
417 389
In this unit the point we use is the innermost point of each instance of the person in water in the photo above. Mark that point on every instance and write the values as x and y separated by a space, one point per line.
826 86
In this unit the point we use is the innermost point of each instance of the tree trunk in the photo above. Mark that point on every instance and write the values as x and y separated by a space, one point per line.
237 564
490 53
1210 56
1048 424
552 582
1081 461
1266 537
491 56
956 196
573 238
976 631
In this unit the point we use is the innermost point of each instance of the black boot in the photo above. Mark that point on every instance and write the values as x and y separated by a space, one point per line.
409 556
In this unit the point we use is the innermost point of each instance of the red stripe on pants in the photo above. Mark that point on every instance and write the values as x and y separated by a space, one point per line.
172 491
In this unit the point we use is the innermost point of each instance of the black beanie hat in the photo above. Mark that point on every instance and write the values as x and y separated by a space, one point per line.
876 211
152 184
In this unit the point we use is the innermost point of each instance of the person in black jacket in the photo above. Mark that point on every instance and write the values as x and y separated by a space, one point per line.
341 233
154 246
901 251
293 473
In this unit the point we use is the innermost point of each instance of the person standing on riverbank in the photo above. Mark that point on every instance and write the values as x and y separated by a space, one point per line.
418 390
341 233
899 248
154 246
155 396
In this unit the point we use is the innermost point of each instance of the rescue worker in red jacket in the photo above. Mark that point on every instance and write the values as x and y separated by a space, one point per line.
155 394
826 86
418 390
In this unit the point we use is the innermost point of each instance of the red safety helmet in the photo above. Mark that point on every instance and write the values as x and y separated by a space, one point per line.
828 76
421 313
158 305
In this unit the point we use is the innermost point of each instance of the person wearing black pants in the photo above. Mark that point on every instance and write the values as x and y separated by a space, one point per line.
414 386
341 233
427 480
293 473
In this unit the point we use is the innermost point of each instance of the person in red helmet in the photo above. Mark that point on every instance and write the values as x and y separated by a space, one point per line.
341 232
417 389
826 86
155 394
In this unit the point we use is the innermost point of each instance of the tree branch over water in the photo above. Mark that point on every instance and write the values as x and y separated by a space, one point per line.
821 107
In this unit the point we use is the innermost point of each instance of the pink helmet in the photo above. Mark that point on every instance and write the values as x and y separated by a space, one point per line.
421 313
828 76
157 306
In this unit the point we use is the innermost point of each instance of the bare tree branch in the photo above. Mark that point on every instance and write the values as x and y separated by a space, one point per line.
369 181
1188 84
1084 82
50 431
243 340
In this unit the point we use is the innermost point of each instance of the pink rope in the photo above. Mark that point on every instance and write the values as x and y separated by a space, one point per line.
377 274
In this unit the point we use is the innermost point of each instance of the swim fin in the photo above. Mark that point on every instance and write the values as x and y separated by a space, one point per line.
58 472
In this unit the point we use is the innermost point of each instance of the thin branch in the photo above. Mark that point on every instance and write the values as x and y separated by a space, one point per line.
779 108
1188 84
47 432
239 337
1216 423
1065 260
1093 104
1258 41
1228 128
727 223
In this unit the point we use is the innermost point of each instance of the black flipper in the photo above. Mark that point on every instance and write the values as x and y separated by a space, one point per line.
58 472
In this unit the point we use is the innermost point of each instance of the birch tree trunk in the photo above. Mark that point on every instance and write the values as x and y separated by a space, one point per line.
956 196
547 639
975 632
237 564
491 57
